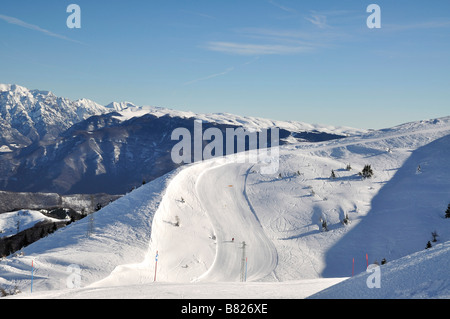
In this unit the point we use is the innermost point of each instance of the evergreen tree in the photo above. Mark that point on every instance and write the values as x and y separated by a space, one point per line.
447 213
333 175
367 172
428 245
324 224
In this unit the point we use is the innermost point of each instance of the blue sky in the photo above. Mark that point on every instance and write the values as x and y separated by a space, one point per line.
309 61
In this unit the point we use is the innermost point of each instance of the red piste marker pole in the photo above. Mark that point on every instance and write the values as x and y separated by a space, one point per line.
367 259
353 267
156 264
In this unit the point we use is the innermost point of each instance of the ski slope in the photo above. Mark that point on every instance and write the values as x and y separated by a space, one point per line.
246 239
210 202
189 217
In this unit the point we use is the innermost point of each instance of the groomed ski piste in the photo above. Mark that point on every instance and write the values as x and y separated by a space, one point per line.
222 229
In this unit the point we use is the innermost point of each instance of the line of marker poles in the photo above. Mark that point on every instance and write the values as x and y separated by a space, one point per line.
156 268
353 264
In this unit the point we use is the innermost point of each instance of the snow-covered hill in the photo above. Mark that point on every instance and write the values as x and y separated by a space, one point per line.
422 275
188 218
15 222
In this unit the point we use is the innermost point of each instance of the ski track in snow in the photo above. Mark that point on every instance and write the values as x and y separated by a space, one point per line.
232 216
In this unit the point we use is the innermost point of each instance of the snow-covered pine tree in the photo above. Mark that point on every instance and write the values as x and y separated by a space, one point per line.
367 172
333 175
324 224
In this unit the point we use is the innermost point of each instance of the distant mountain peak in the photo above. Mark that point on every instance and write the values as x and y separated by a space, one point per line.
37 114
11 87
120 106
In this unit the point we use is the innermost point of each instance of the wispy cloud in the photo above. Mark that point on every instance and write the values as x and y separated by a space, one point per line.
209 76
316 33
227 71
266 41
318 20
282 7
26 25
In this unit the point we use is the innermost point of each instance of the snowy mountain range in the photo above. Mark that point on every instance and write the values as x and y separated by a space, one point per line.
28 116
53 144
221 229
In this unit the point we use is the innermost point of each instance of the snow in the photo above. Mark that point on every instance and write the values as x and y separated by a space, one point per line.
198 290
120 233
288 254
422 275
15 222
121 106
32 114
128 111
5 149
12 87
